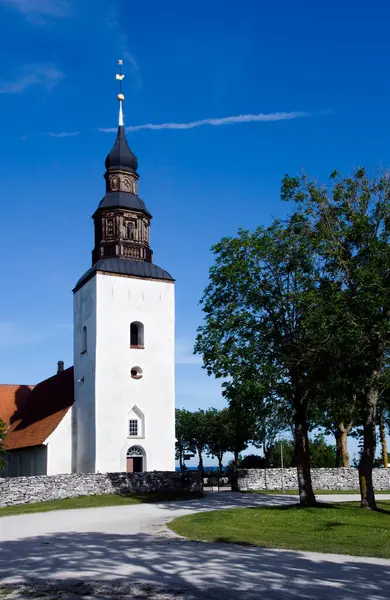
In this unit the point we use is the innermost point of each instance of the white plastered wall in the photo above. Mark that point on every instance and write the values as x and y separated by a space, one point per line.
106 397
59 447
84 426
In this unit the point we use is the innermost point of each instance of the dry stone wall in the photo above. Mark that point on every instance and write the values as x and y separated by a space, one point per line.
21 490
323 479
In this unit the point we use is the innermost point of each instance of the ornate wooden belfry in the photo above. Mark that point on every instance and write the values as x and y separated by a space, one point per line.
122 220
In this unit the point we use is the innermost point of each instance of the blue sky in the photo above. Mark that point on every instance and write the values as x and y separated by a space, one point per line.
244 95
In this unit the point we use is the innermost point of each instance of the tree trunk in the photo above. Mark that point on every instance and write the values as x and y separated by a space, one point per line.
220 458
382 436
302 458
339 460
200 466
266 454
341 435
368 454
181 459
234 479
344 448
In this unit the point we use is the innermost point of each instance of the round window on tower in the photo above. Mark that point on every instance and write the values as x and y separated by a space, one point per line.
136 372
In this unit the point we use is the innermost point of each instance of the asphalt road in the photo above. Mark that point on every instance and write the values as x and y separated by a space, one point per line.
127 552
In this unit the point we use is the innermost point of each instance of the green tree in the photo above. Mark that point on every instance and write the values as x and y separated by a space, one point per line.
3 434
199 433
252 461
322 454
183 425
241 418
269 425
338 418
218 438
351 219
275 454
255 332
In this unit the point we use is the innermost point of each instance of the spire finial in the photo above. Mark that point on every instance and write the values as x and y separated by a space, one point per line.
121 97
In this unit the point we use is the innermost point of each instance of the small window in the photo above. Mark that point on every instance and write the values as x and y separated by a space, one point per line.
133 427
130 231
83 340
136 372
137 335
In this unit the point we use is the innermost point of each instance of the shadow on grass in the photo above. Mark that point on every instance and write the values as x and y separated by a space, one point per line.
170 496
296 506
326 506
384 511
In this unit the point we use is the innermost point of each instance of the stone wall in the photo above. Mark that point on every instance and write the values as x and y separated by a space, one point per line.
323 479
21 490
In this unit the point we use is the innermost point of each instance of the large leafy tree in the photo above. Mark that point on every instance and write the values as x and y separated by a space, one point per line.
260 292
351 220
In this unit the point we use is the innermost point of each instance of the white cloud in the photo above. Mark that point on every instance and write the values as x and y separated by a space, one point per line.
63 134
36 9
184 354
249 118
131 59
46 75
135 73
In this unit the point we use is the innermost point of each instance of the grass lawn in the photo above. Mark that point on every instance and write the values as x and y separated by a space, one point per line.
337 528
94 501
317 492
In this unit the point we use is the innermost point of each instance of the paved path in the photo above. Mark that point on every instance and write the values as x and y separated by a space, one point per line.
132 542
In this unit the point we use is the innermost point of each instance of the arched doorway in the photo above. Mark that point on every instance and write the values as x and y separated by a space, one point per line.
135 460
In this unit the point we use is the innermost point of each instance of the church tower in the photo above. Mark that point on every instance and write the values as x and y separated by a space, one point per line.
124 418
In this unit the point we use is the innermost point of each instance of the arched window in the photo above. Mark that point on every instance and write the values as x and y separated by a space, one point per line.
84 340
130 231
137 335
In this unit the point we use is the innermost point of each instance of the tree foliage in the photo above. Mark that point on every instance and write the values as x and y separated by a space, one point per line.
183 424
351 220
218 439
255 332
322 454
297 315
3 434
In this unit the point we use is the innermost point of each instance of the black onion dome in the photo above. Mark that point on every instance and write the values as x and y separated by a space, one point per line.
121 157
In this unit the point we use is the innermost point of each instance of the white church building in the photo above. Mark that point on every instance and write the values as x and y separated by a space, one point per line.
114 410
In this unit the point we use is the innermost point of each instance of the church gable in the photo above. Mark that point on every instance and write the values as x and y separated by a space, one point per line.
33 413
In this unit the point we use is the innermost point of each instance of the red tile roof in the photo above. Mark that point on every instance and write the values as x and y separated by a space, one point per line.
33 413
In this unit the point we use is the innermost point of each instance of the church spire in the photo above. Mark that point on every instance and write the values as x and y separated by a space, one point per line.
122 220
121 157
121 97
